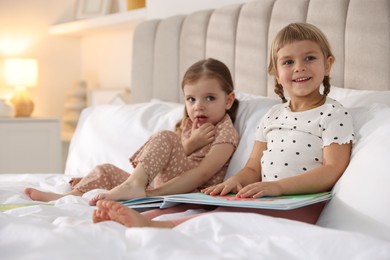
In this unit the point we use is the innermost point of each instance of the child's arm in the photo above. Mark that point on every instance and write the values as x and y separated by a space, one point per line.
218 155
200 136
249 174
335 160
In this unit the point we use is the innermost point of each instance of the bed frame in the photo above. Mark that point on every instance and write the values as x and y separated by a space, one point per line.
240 36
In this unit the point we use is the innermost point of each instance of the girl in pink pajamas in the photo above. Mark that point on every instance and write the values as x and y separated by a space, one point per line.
192 158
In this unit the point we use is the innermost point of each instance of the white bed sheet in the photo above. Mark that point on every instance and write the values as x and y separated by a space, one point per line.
65 231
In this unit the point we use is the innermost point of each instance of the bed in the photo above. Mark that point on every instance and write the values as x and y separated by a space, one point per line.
355 224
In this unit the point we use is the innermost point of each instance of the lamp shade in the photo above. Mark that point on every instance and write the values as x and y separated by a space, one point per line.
20 73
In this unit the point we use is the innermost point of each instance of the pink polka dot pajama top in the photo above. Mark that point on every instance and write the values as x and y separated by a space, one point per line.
163 158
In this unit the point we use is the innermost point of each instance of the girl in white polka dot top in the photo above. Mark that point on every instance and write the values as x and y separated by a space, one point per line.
193 157
302 146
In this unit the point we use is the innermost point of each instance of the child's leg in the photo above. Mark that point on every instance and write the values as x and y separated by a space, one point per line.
74 181
133 187
44 196
105 176
308 214
161 155
163 158
151 214
108 210
111 210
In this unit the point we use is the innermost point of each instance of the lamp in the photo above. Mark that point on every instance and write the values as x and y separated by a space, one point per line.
21 73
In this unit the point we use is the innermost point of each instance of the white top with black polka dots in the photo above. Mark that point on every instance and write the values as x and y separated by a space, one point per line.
295 139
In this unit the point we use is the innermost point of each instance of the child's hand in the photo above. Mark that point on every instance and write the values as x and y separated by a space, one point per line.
230 185
74 181
202 135
260 189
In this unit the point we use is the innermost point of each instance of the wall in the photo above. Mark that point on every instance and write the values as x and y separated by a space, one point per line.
24 32
165 8
102 59
106 57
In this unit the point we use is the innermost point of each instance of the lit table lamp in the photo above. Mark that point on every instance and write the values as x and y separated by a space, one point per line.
21 73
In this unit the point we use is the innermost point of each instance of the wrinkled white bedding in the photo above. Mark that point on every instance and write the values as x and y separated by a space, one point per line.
65 231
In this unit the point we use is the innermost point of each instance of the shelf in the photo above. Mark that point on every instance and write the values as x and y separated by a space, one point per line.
86 26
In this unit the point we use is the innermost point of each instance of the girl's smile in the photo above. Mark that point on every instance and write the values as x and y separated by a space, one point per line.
301 68
301 79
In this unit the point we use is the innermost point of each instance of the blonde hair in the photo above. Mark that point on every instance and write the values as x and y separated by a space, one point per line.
292 33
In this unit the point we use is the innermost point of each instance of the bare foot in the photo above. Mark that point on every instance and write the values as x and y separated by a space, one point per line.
100 214
100 196
38 195
120 192
111 210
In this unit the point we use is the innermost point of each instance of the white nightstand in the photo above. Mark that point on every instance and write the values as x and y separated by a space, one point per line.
30 145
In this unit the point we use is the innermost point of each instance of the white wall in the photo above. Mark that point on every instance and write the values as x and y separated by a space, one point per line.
26 23
106 59
106 56
103 59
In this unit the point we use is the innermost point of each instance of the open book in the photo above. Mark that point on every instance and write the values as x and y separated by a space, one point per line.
279 203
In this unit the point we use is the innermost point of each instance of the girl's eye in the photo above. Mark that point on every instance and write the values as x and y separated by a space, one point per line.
287 62
210 98
310 58
191 99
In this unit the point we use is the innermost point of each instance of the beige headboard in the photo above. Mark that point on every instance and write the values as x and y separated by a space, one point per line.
240 36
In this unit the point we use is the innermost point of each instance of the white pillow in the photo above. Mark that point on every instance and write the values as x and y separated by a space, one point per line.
250 112
362 196
112 133
359 98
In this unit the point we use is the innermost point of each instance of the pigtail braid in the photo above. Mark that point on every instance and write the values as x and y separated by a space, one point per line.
279 91
326 83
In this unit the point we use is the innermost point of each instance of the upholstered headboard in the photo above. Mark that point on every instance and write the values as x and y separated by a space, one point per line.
240 36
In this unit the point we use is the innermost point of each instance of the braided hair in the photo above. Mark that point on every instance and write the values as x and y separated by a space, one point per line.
292 33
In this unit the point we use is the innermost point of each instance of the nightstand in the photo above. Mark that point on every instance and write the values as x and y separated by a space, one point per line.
30 145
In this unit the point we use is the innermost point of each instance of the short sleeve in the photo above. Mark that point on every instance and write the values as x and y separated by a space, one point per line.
337 127
260 133
226 133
